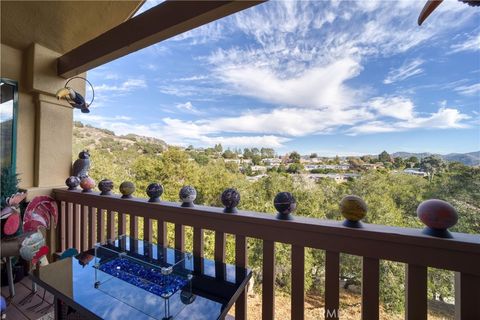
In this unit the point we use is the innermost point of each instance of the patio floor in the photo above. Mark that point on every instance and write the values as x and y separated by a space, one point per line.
15 311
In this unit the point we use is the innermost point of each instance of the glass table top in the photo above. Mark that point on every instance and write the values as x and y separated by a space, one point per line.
214 286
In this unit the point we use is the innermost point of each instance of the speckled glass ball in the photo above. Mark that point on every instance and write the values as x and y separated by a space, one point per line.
285 204
154 191
72 182
437 214
87 184
353 208
106 187
126 189
230 199
187 195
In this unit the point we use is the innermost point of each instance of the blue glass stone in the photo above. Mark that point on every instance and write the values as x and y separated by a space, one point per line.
149 279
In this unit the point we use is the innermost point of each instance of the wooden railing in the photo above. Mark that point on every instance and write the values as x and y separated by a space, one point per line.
82 223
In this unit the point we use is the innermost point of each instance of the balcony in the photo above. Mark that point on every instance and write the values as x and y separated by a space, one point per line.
86 218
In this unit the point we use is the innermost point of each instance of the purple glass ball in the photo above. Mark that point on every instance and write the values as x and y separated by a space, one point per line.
87 184
154 191
230 199
285 203
437 214
106 187
72 182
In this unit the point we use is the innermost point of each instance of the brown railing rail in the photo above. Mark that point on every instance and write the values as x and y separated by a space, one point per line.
82 224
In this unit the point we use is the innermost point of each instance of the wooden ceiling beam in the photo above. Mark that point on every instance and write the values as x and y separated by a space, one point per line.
161 22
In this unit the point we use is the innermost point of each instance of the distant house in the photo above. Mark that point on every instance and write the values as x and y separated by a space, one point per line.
237 161
272 162
246 161
257 177
259 169
415 172
372 166
343 167
337 177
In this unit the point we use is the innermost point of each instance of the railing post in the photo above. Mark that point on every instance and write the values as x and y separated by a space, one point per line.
332 291
416 292
62 226
268 280
467 296
370 288
220 246
84 228
241 261
298 283
179 237
92 229
101 226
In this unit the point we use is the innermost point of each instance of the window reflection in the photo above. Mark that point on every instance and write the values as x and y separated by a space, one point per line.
7 97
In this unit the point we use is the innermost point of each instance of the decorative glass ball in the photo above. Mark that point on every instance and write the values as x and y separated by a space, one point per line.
154 191
438 216
126 189
187 195
285 204
106 186
230 199
72 182
353 208
87 184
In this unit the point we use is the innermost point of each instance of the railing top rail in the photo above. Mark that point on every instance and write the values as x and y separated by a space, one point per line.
410 245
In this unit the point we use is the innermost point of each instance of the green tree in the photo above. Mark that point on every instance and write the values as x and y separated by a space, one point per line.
384 157
398 163
247 153
413 162
294 157
432 165
228 154
295 168
267 153
256 159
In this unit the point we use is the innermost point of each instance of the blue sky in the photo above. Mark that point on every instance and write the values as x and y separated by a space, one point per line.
332 77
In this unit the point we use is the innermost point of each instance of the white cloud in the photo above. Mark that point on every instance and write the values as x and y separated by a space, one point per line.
471 44
444 118
470 90
395 107
187 107
127 86
316 87
406 70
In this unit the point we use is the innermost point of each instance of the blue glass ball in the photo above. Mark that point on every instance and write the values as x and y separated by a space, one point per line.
105 186
72 182
230 199
285 203
154 191
188 194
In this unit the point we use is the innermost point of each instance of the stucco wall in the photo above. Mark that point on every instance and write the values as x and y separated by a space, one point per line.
44 125
12 67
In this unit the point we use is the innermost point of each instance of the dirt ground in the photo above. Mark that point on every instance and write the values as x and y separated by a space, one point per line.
350 308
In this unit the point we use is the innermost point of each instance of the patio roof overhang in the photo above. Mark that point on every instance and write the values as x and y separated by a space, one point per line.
60 25
163 21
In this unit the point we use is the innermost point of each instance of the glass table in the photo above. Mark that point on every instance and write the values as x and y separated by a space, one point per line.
133 279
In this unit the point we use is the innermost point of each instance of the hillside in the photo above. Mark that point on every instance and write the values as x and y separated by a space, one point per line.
90 138
469 159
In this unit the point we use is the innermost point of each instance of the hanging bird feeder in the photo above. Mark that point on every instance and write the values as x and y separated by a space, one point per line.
75 99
